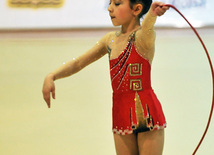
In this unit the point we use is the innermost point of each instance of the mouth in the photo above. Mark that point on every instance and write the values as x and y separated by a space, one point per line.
112 17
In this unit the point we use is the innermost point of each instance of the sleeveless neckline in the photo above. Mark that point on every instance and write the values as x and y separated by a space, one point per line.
130 41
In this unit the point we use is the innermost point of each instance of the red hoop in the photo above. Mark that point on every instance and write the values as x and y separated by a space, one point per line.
211 67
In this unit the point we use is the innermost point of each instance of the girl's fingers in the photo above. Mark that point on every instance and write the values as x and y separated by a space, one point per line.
46 96
165 7
47 99
48 90
161 10
53 94
48 103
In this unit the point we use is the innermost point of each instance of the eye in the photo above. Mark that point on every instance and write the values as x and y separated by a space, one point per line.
117 4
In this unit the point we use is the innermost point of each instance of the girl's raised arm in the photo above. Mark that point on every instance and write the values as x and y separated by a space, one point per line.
72 67
148 33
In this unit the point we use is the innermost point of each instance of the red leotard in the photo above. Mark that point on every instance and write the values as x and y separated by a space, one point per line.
135 105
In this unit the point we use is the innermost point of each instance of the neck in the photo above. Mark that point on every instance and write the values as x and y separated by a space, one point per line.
132 26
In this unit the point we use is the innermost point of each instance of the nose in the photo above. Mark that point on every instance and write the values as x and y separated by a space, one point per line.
110 9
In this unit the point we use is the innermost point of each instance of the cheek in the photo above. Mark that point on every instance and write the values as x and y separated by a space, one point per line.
124 13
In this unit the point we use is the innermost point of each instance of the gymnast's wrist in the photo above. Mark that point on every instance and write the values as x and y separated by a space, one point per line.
51 76
151 14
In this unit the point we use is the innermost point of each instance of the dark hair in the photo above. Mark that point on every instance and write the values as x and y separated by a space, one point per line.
146 5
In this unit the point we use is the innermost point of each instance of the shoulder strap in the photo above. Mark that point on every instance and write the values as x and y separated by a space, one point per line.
132 36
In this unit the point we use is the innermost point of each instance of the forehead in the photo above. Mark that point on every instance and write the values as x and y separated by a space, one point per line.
119 0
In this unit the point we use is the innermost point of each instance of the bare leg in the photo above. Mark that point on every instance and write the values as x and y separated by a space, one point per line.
151 142
126 144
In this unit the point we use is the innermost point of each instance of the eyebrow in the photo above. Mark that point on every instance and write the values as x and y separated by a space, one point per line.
115 0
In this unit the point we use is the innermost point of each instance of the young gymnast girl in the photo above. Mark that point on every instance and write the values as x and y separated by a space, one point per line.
138 119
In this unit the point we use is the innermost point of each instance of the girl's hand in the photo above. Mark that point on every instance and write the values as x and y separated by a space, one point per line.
158 9
48 88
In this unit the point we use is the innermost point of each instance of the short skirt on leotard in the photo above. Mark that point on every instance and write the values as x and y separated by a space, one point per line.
137 112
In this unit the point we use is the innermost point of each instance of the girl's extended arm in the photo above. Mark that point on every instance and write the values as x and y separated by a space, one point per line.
72 67
79 63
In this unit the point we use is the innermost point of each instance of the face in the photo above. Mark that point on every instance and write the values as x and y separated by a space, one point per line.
120 12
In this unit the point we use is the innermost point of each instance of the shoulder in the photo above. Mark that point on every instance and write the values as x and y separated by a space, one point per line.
110 35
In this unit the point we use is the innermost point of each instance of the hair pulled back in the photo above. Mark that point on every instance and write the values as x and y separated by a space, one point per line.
146 5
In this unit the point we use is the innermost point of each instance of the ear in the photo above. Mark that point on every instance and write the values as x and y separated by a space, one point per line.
137 8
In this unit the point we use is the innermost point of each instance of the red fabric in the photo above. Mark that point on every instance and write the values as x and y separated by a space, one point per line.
130 74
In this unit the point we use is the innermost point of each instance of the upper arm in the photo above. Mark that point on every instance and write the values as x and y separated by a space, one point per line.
96 52
145 44
146 38
147 32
